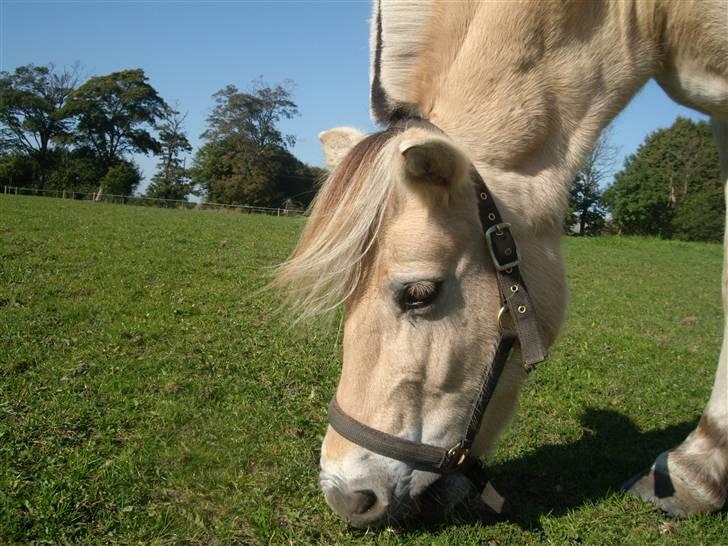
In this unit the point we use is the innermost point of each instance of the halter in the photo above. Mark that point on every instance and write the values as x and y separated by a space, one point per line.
514 297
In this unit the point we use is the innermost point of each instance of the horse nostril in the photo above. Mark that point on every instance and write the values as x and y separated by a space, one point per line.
363 501
361 507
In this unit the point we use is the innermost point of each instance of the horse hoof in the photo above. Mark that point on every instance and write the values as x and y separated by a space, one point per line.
670 492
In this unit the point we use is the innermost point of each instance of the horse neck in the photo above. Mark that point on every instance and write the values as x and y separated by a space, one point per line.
526 89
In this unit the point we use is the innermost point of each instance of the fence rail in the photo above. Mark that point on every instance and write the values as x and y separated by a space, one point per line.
149 201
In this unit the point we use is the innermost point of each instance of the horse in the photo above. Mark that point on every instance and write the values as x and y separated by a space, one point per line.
507 98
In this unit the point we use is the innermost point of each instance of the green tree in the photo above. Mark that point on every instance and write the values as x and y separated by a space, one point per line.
31 115
252 115
586 213
115 114
671 186
17 169
246 159
236 171
171 180
121 179
77 170
700 216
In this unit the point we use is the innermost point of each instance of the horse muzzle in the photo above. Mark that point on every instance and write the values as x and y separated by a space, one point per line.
393 495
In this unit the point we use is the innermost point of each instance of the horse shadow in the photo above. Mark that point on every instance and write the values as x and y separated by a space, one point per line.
554 479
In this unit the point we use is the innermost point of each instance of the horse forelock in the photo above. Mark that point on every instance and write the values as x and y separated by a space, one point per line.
337 243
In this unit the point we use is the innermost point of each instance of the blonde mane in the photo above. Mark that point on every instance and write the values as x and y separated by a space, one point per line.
397 39
345 217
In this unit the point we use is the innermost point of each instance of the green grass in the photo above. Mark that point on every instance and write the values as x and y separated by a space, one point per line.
149 393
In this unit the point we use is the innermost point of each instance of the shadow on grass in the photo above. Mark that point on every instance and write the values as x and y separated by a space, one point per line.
557 478
554 479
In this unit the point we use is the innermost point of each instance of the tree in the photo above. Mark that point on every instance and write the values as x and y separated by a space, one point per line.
17 169
114 114
31 113
121 179
585 199
700 216
671 186
77 170
246 159
171 180
252 115
236 171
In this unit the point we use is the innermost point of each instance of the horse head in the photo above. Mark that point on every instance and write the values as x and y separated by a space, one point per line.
395 235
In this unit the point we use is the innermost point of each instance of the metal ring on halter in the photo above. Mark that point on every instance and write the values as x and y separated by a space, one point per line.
500 315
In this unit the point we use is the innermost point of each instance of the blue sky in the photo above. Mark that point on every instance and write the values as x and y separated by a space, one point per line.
190 49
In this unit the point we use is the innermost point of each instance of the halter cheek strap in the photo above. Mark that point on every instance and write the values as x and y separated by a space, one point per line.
506 259
514 296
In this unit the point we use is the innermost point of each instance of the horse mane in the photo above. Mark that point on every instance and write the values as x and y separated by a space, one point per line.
345 217
396 42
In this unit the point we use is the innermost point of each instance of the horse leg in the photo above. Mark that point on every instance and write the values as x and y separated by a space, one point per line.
693 477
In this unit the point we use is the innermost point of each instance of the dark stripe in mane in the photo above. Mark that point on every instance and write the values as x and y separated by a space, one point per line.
334 249
348 175
384 110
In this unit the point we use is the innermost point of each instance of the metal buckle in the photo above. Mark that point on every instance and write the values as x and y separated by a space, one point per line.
456 456
502 310
497 229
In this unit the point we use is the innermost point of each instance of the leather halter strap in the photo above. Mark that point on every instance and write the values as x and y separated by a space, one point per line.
506 259
504 255
421 456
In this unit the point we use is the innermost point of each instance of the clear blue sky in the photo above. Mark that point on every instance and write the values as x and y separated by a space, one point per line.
190 49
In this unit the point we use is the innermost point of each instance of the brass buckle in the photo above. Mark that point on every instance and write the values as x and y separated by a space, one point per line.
457 455
502 310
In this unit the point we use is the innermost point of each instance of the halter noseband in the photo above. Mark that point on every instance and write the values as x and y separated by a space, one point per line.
514 296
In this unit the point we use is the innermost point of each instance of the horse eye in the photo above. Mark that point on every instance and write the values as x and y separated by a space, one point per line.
419 294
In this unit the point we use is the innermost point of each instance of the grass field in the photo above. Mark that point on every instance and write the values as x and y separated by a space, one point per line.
149 394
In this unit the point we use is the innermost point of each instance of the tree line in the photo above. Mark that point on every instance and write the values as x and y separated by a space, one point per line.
670 188
59 132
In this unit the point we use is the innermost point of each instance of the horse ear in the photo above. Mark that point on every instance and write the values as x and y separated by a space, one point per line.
338 142
433 160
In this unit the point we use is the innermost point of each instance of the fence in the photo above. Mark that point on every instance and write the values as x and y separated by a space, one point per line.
149 201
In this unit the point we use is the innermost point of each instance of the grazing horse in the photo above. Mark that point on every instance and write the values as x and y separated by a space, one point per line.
513 94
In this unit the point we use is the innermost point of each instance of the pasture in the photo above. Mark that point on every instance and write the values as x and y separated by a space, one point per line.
149 392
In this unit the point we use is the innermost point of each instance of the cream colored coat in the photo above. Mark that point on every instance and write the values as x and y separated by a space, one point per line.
522 90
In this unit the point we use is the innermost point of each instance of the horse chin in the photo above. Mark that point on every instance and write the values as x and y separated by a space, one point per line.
445 497
440 501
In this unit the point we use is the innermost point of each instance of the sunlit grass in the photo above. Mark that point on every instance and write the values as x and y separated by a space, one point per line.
150 393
